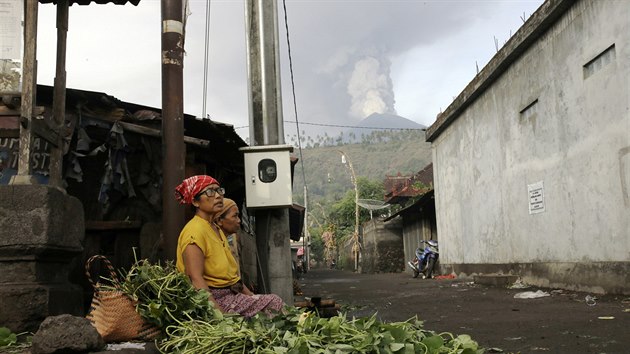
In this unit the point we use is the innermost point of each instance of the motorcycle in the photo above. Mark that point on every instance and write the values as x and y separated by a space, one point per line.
300 265
425 259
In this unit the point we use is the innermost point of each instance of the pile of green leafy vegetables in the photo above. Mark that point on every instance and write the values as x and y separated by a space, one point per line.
165 296
297 332
191 324
12 343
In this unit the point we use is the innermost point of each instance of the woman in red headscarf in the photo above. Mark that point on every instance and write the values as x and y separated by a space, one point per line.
204 255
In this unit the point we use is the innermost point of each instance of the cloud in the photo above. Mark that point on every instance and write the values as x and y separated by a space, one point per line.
350 57
370 88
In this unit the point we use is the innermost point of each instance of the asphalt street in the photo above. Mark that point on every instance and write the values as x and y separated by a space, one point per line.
562 322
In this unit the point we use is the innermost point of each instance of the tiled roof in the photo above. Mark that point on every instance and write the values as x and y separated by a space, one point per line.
405 186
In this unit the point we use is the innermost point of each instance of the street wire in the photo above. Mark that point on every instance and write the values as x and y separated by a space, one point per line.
340 126
297 124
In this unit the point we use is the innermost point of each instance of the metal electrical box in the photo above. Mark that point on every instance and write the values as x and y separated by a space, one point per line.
268 176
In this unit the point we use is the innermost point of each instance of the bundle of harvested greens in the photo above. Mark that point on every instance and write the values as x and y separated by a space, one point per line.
165 296
302 332
192 325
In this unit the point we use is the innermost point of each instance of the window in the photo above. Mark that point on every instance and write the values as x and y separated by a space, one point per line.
604 58
530 110
267 170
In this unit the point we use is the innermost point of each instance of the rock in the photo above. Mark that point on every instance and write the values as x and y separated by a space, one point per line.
66 334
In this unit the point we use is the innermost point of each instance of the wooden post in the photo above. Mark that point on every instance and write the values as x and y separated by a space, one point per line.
174 159
59 96
29 84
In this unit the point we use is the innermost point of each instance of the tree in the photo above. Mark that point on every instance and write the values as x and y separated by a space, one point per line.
343 212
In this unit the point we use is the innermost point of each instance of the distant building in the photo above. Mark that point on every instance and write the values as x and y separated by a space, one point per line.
417 215
399 189
532 159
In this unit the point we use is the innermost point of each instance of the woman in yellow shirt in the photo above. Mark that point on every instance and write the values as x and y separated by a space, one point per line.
204 255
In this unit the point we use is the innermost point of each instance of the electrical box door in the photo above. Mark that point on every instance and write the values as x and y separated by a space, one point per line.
268 176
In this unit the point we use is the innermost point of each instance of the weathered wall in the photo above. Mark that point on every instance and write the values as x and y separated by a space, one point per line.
382 250
414 231
576 141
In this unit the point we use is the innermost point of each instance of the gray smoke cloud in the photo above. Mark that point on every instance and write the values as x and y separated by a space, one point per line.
370 88
350 58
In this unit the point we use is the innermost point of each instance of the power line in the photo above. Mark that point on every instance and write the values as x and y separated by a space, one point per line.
205 61
297 124
341 126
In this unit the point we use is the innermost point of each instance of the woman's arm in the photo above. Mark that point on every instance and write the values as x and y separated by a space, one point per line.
194 262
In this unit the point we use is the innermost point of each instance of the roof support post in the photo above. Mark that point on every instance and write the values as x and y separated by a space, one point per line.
29 84
59 96
173 147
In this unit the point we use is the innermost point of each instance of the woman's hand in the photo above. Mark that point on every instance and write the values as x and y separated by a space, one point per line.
246 290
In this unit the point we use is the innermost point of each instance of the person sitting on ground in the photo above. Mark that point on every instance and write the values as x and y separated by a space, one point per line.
230 223
203 253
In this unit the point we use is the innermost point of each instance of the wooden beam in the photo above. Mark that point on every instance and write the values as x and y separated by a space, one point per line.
43 129
6 111
100 225
157 133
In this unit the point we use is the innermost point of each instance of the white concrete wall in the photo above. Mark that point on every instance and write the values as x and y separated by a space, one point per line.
577 144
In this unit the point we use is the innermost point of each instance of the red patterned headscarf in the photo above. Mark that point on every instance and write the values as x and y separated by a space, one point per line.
191 186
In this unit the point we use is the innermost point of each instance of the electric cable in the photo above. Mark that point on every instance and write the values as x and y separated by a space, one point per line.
205 61
297 124
341 126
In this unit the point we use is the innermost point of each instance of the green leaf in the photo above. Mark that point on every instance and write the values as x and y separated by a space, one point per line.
465 342
468 351
433 342
399 334
6 337
396 346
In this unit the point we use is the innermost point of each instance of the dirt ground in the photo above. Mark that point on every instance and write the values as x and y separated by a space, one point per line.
564 322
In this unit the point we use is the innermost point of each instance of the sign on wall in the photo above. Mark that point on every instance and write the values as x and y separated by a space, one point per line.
9 155
11 46
536 193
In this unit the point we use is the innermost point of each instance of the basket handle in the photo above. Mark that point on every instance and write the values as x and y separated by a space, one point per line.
108 264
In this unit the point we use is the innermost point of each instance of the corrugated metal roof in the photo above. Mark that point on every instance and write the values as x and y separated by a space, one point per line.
89 2
425 199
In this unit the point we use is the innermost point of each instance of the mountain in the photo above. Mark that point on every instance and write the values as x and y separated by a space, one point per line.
389 121
379 122
380 153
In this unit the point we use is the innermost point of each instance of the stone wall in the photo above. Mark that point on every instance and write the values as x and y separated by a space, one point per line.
41 231
382 247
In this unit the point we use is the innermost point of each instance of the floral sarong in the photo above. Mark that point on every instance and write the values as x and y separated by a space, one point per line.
246 305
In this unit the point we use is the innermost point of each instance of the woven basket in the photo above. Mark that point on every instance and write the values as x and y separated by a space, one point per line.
113 313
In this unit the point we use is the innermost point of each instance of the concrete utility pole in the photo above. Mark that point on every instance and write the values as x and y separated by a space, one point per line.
272 225
173 147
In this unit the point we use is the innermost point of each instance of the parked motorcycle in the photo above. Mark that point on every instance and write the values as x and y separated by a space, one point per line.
425 259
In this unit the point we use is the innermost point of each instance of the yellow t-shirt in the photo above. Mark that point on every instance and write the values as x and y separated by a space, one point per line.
220 267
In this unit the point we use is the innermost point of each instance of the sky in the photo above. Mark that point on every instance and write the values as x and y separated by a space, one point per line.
350 58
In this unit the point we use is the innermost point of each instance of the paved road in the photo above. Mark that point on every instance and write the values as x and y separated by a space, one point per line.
560 323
